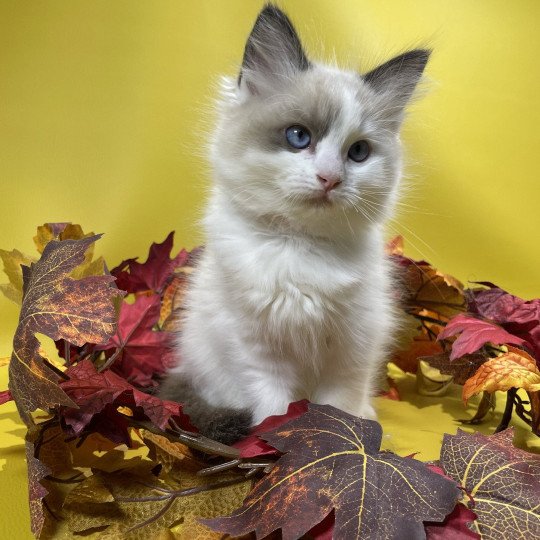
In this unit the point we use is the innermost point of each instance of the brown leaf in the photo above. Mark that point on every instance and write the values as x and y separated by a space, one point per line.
503 481
333 461
12 267
514 369
461 369
170 454
55 304
37 471
430 289
145 505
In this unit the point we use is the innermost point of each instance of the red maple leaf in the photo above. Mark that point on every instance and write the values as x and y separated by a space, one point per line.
5 396
98 396
519 317
253 446
152 275
474 334
141 352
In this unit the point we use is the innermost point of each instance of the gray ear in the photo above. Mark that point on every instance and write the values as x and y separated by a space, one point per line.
397 78
273 49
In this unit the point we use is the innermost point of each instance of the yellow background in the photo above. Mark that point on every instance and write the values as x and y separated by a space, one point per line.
104 108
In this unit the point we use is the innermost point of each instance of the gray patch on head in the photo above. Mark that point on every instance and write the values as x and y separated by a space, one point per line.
273 46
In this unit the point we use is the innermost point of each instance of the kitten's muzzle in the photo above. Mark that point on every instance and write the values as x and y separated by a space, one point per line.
329 182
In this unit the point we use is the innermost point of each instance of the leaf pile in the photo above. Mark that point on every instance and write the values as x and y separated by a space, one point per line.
486 338
108 459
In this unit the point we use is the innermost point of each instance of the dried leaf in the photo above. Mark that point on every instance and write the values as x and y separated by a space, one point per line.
98 396
474 333
170 454
141 352
172 303
144 505
60 307
461 369
454 527
429 289
12 267
514 369
333 461
37 471
519 317
253 446
503 481
152 275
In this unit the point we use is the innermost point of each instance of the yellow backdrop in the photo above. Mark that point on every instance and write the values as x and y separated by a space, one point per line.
104 106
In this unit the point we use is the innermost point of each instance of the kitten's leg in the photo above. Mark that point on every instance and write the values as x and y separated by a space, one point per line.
272 389
349 389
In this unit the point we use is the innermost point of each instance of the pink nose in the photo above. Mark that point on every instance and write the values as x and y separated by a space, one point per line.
329 182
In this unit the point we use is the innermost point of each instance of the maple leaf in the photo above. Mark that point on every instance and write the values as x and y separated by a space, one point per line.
5 396
503 481
60 307
461 369
141 353
136 506
474 334
333 461
98 396
254 446
12 267
513 369
426 288
37 471
153 274
454 527
520 317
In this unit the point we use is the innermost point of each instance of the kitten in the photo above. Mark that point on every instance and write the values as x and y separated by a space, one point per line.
291 298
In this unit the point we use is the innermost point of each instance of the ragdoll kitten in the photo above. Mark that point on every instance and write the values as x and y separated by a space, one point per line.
292 295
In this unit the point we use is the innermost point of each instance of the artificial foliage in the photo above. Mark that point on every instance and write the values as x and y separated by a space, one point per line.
107 458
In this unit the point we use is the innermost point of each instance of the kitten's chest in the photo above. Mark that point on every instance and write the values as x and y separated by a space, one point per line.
300 285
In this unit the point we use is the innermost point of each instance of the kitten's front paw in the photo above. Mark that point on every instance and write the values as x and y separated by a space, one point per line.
367 411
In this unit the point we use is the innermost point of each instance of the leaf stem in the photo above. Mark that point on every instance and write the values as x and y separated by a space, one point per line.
507 415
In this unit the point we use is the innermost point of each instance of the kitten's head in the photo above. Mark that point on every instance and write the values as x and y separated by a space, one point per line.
308 143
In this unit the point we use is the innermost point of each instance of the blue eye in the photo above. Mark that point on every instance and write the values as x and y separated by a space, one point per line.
298 137
359 151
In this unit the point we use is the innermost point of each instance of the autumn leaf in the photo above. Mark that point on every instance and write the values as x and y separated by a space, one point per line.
12 267
141 353
519 317
98 396
461 369
426 288
333 461
60 307
254 446
37 471
172 303
139 506
513 369
5 396
68 231
153 274
503 481
454 527
475 333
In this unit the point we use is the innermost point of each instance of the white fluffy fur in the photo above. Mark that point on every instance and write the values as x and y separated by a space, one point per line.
292 295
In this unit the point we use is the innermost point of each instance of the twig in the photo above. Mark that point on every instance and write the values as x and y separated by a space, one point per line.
111 360
507 415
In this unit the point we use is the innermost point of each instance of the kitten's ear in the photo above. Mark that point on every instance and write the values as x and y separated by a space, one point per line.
396 79
273 50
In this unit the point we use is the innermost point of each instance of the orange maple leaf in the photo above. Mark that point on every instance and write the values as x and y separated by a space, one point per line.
513 369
